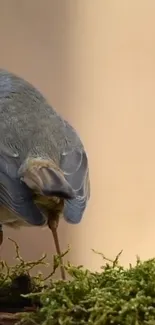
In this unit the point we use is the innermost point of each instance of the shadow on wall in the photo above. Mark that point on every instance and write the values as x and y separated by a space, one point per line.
94 61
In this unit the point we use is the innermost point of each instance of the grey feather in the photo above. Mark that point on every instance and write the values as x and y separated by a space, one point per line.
74 164
30 127
15 195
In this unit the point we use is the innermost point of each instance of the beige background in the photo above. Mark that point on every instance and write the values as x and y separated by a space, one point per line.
95 62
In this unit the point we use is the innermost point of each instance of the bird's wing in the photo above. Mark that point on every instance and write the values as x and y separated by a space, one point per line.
74 165
14 194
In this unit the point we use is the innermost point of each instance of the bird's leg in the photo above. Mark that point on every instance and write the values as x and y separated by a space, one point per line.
53 225
1 235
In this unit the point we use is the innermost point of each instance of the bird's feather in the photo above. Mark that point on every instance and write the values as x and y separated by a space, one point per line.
75 167
15 195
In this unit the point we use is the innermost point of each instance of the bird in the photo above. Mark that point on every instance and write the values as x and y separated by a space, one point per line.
44 169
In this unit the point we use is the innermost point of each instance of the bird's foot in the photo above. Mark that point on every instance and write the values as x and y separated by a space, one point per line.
1 235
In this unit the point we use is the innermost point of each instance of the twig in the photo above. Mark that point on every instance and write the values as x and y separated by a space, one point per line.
114 262
56 263
17 251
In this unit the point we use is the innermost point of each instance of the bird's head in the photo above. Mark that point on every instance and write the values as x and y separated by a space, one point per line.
48 184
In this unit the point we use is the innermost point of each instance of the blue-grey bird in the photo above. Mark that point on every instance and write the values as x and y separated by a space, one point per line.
43 164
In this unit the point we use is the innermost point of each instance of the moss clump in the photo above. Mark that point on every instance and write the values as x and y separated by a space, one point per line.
15 281
113 296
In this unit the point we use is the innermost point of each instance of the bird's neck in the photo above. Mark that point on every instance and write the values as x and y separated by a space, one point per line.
52 206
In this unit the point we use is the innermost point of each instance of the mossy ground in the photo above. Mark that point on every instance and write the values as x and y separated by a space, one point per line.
116 295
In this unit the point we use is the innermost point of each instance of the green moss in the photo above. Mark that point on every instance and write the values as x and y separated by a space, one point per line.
115 295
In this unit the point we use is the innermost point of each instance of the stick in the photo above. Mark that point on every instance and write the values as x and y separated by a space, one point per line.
53 228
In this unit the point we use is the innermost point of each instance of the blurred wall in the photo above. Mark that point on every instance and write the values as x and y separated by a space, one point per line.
95 62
